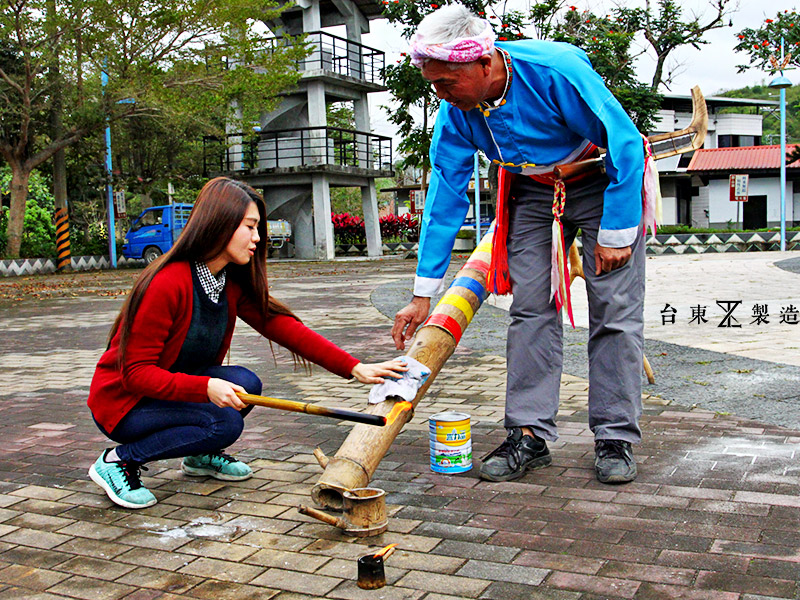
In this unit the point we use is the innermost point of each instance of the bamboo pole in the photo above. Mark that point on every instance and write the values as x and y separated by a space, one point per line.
313 409
360 454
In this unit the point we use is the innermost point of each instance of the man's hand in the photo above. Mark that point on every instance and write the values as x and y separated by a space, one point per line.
608 259
408 319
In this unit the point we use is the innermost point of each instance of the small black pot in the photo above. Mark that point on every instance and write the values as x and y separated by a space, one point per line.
371 575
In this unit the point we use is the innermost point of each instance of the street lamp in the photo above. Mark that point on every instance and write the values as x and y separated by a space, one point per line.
781 83
112 234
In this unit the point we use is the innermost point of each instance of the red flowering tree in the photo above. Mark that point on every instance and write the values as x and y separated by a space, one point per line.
666 29
765 41
411 92
607 40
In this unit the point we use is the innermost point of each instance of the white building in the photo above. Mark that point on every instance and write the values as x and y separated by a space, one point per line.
695 186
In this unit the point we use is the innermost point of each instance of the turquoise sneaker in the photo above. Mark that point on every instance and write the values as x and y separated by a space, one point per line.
121 482
216 465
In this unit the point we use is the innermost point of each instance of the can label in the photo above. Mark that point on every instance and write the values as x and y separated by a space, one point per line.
451 442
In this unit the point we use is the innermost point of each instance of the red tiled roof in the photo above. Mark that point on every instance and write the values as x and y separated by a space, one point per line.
744 158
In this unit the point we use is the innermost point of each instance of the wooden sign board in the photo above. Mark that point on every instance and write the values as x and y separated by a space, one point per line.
119 204
738 188
417 198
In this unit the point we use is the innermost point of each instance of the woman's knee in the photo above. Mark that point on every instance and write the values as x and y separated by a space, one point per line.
238 375
247 379
227 427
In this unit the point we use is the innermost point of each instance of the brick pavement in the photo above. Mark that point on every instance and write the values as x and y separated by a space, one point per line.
713 514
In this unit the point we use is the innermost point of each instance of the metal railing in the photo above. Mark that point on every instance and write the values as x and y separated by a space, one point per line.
299 147
328 52
344 57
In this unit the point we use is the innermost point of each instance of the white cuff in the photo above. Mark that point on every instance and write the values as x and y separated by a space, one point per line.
617 238
428 286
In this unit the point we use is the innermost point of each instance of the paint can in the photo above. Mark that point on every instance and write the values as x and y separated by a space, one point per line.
451 442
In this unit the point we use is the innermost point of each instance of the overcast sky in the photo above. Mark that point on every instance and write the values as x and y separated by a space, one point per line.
713 67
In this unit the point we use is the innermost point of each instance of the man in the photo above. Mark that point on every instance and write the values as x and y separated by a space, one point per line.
530 105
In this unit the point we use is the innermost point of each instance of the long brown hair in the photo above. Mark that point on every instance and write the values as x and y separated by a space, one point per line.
217 213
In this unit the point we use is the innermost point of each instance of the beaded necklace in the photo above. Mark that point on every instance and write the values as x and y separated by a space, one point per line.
485 107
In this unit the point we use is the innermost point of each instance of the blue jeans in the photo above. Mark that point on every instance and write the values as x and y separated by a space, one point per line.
161 429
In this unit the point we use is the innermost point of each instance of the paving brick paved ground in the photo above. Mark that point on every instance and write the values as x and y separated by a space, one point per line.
714 513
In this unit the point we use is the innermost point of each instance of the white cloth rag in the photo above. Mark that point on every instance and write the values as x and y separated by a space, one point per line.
404 388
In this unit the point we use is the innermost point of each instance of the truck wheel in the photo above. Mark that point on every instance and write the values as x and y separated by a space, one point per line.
150 254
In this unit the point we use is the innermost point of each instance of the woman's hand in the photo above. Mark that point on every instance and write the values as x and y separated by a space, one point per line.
374 372
223 393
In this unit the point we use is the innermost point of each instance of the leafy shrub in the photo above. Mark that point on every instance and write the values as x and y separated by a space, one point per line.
404 228
348 229
410 227
38 231
93 241
3 229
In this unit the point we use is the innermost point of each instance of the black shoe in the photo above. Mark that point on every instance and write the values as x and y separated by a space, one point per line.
614 461
519 453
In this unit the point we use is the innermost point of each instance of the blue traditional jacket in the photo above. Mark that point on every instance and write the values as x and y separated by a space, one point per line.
556 104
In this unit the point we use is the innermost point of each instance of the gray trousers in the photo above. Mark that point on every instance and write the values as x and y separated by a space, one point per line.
616 321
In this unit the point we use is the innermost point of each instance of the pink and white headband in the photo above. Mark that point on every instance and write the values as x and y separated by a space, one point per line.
461 50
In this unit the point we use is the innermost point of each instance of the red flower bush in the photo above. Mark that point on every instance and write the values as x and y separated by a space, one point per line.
405 227
348 229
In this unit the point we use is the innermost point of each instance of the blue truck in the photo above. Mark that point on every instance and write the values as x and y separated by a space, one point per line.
155 230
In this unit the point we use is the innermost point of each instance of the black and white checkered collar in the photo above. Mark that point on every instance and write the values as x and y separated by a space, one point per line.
212 285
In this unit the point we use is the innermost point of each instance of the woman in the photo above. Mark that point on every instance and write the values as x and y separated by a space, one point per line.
159 390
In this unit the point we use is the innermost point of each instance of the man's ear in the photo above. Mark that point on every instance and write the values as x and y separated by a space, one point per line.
485 62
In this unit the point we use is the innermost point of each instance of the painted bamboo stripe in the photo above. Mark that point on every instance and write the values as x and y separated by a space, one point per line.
485 246
474 286
457 315
478 265
457 303
481 257
447 323
471 303
62 239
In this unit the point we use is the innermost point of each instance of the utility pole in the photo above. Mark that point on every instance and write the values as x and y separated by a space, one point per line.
63 260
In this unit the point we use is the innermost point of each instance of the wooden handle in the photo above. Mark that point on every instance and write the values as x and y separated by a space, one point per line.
389 553
313 409
324 517
571 170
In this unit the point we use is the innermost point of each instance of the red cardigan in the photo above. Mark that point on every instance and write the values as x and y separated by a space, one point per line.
159 330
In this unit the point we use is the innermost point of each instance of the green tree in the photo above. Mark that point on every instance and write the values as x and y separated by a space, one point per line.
151 152
607 40
665 30
412 93
162 58
39 235
771 121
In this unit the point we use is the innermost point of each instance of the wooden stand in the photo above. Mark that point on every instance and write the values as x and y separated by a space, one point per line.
364 513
